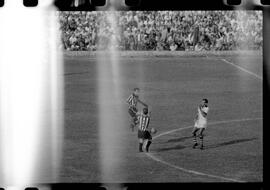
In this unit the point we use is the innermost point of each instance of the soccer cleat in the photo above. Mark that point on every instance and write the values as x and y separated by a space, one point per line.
194 146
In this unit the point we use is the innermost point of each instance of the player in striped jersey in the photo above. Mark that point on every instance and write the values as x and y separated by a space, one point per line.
144 135
132 102
200 122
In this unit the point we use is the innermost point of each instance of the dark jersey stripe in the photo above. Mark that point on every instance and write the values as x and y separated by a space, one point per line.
143 122
132 100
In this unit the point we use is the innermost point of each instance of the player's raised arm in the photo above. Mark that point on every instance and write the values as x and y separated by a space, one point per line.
204 114
203 108
144 104
205 111
149 111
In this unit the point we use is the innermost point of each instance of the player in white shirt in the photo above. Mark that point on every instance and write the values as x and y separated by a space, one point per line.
200 122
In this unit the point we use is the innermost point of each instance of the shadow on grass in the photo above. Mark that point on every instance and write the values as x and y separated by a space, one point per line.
175 140
179 147
229 143
181 139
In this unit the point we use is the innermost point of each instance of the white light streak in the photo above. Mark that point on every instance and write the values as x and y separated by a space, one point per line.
111 108
30 95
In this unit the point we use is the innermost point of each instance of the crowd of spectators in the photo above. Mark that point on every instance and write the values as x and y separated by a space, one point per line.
162 30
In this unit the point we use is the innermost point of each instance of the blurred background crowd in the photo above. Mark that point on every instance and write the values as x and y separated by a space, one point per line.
162 30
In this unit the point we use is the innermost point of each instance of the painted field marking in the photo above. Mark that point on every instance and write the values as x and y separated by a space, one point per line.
193 171
242 69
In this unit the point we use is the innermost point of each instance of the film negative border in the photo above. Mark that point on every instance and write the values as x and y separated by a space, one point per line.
153 5
142 186
92 5
30 3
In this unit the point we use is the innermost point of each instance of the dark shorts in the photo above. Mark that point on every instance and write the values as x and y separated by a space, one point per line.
144 135
132 111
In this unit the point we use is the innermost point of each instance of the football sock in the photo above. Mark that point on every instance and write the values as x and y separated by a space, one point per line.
194 139
148 145
201 138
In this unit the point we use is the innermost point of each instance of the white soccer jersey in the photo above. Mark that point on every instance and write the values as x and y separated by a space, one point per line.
202 117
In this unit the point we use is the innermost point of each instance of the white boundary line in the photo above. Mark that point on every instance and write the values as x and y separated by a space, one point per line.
242 69
193 171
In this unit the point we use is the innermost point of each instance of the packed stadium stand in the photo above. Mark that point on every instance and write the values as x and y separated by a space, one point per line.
163 30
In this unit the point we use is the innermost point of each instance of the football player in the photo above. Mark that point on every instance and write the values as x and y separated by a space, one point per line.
132 102
144 134
200 123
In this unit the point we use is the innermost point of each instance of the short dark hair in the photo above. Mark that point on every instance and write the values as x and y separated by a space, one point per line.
205 100
136 89
145 110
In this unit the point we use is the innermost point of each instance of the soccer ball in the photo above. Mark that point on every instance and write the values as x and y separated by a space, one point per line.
153 130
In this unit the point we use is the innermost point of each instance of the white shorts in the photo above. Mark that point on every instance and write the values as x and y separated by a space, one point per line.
200 124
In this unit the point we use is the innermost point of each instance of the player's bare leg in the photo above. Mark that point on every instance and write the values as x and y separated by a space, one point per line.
132 125
134 121
133 118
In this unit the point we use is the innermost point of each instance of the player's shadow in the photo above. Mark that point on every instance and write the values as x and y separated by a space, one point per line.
177 147
236 141
175 140
181 139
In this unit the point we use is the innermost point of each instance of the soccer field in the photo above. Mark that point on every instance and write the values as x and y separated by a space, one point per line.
173 86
